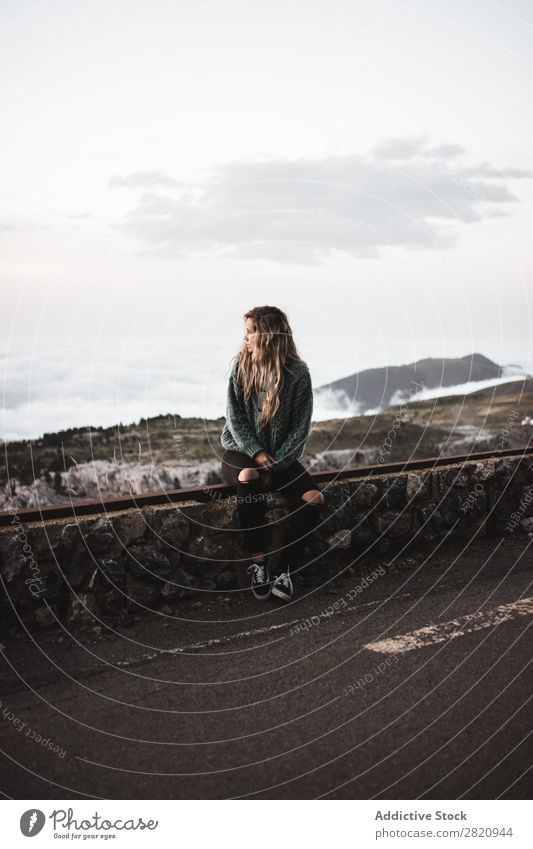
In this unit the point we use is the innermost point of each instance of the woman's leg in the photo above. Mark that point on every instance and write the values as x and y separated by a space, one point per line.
243 473
305 501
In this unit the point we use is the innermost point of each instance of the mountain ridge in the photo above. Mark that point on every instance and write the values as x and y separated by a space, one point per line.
377 388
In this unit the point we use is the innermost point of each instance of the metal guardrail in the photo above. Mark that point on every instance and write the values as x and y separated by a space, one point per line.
212 492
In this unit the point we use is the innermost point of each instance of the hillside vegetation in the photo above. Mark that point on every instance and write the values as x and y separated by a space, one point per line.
487 419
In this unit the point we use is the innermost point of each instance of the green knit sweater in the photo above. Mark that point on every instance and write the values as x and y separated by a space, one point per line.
286 434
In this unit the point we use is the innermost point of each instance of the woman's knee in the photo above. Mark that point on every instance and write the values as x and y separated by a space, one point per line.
314 497
248 475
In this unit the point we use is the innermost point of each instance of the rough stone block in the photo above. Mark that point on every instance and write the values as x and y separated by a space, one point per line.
208 548
171 526
458 477
12 558
393 523
485 469
430 520
101 538
527 525
394 492
338 509
226 580
145 564
78 566
222 515
526 499
82 609
451 507
418 485
141 593
507 471
181 585
362 532
340 540
364 496
131 527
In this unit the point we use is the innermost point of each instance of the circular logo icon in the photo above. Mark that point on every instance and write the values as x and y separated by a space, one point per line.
31 822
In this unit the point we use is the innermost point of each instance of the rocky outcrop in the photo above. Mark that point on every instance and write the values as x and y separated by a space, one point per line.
102 479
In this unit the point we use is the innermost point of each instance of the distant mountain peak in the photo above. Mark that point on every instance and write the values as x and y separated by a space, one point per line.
374 388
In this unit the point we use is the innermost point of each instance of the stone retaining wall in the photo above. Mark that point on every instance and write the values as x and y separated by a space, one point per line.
117 565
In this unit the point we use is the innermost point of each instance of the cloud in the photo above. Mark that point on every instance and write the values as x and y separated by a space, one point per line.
103 382
142 179
395 149
303 210
445 151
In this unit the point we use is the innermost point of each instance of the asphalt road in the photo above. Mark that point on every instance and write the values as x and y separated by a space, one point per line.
242 699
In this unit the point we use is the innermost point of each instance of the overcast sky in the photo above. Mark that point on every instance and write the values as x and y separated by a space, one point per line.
366 166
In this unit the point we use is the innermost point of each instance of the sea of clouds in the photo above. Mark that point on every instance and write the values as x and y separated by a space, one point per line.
49 384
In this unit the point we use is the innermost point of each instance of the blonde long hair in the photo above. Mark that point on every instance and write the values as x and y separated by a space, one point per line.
262 370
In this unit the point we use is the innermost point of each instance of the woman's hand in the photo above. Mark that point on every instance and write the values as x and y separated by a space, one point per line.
264 459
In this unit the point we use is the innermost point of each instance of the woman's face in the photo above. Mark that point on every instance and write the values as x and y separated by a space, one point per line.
250 335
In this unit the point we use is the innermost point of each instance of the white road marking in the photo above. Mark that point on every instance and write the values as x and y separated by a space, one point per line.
240 635
432 634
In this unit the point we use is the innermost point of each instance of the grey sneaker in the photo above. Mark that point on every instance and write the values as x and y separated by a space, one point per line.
261 584
282 586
